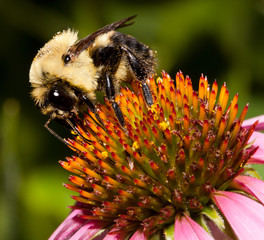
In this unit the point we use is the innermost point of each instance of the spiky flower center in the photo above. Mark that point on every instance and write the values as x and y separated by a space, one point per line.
165 162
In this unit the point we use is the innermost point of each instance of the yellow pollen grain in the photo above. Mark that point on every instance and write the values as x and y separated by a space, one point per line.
163 125
159 79
91 148
73 132
105 154
135 145
153 109
79 138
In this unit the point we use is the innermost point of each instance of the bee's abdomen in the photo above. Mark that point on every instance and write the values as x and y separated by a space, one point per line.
122 56
142 58
139 49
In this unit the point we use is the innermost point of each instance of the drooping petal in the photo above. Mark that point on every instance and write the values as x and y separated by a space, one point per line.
69 226
258 157
245 216
138 235
186 228
116 236
76 228
89 230
247 123
257 140
250 185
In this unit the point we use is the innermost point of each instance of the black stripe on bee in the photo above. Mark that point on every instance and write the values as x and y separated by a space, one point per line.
106 56
121 39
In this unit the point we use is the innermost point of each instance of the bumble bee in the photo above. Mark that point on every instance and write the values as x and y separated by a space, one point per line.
66 72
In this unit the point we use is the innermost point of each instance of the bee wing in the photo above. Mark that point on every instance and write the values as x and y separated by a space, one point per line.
84 43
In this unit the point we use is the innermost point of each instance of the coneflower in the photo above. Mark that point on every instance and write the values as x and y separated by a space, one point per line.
177 170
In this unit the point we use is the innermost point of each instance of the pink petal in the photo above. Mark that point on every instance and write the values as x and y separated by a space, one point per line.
257 140
69 226
247 123
89 230
250 185
116 236
257 158
139 235
245 216
76 228
186 228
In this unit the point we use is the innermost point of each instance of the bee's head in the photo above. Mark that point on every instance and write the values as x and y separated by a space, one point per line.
58 100
55 81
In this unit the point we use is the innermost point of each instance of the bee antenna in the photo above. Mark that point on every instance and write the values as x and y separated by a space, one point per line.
46 125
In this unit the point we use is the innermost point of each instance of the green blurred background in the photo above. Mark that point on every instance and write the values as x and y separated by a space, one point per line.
223 39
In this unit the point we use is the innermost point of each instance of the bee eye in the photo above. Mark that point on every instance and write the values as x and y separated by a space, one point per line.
59 98
67 58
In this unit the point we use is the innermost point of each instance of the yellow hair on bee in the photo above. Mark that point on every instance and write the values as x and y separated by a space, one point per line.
49 66
103 40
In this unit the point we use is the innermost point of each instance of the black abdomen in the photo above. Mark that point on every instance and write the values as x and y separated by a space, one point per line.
144 55
127 51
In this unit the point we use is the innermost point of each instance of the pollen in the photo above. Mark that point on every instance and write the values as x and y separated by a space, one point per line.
153 109
91 148
105 154
163 125
159 80
135 145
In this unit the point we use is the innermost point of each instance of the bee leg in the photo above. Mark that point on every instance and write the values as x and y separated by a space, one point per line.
75 129
67 123
89 103
57 136
141 73
92 107
110 94
146 93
